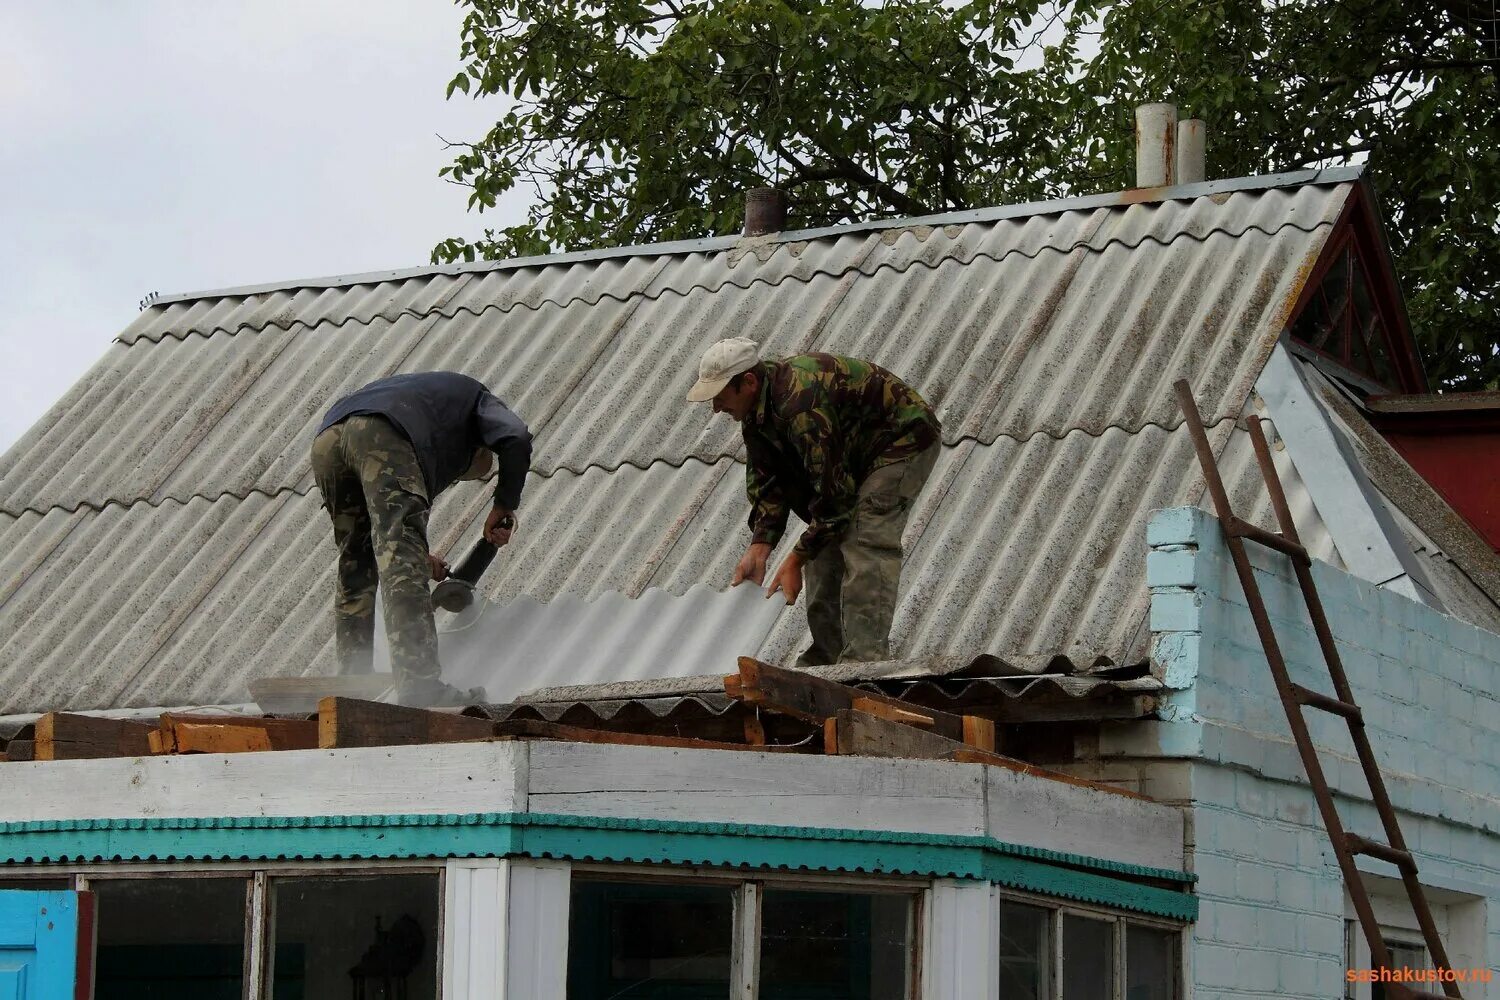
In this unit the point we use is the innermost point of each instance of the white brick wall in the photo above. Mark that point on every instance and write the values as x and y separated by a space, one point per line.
1272 921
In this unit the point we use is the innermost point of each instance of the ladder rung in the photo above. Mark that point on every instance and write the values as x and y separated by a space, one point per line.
1364 845
1244 529
1307 696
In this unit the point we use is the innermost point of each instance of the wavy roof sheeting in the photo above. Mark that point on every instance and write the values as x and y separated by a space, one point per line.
161 542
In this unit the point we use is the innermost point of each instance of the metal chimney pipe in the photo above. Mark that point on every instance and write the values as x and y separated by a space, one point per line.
1155 139
1192 150
765 211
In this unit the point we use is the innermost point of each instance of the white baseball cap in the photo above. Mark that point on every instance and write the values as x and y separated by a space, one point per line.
722 362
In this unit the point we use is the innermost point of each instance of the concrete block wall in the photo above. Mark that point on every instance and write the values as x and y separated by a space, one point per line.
1273 910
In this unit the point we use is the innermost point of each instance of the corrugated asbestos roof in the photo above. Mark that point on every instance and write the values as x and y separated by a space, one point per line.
161 543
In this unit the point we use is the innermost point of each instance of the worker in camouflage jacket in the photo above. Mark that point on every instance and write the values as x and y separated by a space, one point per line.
381 456
845 445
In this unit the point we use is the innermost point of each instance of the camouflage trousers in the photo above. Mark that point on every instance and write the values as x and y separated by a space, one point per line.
852 584
375 493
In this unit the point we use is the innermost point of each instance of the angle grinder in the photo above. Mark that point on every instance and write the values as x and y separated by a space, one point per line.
456 593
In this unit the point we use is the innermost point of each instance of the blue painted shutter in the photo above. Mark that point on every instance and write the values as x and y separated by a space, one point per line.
46 945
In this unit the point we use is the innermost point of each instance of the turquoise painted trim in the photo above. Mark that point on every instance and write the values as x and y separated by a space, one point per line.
591 838
1087 887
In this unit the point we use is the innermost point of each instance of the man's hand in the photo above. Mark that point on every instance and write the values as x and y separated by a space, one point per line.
437 567
788 578
499 525
752 565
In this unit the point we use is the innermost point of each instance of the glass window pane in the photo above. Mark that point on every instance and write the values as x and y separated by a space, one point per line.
629 941
1150 964
1313 325
367 937
1088 958
1404 955
178 937
1025 952
1369 329
834 946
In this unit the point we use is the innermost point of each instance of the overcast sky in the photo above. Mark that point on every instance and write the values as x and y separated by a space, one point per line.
183 145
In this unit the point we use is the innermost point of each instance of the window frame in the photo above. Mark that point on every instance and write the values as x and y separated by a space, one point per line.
1121 920
748 898
257 878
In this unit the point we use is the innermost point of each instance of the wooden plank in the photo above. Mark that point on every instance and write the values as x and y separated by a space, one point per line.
979 733
300 695
815 699
755 730
866 734
20 750
350 722
64 736
894 713
795 789
968 755
831 736
231 734
537 729
198 737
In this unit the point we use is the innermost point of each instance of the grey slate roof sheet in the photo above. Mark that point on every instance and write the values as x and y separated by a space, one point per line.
162 543
204 399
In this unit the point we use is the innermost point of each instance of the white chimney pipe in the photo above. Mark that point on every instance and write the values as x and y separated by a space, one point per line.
1155 139
1192 146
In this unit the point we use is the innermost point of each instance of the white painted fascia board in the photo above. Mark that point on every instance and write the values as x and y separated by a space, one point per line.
1026 809
716 786
1367 538
432 778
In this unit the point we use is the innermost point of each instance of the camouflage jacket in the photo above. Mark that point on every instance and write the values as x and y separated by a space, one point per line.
821 425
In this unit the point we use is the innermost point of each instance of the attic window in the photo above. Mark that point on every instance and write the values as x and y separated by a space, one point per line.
1341 321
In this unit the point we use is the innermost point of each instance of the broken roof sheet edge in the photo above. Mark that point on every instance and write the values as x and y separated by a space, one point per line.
983 666
1332 175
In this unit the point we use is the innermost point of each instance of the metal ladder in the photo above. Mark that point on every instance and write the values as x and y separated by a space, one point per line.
1294 697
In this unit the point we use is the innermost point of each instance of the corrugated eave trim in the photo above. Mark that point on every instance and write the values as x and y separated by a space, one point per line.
715 244
530 819
602 839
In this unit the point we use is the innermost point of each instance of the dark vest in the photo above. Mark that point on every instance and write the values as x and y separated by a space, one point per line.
435 410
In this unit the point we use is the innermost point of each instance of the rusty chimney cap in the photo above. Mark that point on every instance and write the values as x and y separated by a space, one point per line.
765 211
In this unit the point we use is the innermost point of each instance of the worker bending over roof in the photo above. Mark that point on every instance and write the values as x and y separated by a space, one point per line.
382 455
847 446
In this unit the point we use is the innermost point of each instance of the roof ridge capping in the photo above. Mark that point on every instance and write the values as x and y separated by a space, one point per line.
711 244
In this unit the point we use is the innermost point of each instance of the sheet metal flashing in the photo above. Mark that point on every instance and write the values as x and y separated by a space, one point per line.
602 839
1404 488
713 244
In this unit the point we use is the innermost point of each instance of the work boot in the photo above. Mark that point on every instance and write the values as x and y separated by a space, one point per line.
425 692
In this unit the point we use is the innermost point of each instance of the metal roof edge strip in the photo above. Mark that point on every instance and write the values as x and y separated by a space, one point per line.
167 838
711 244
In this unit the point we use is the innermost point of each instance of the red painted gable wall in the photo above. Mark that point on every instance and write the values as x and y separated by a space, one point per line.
1455 446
